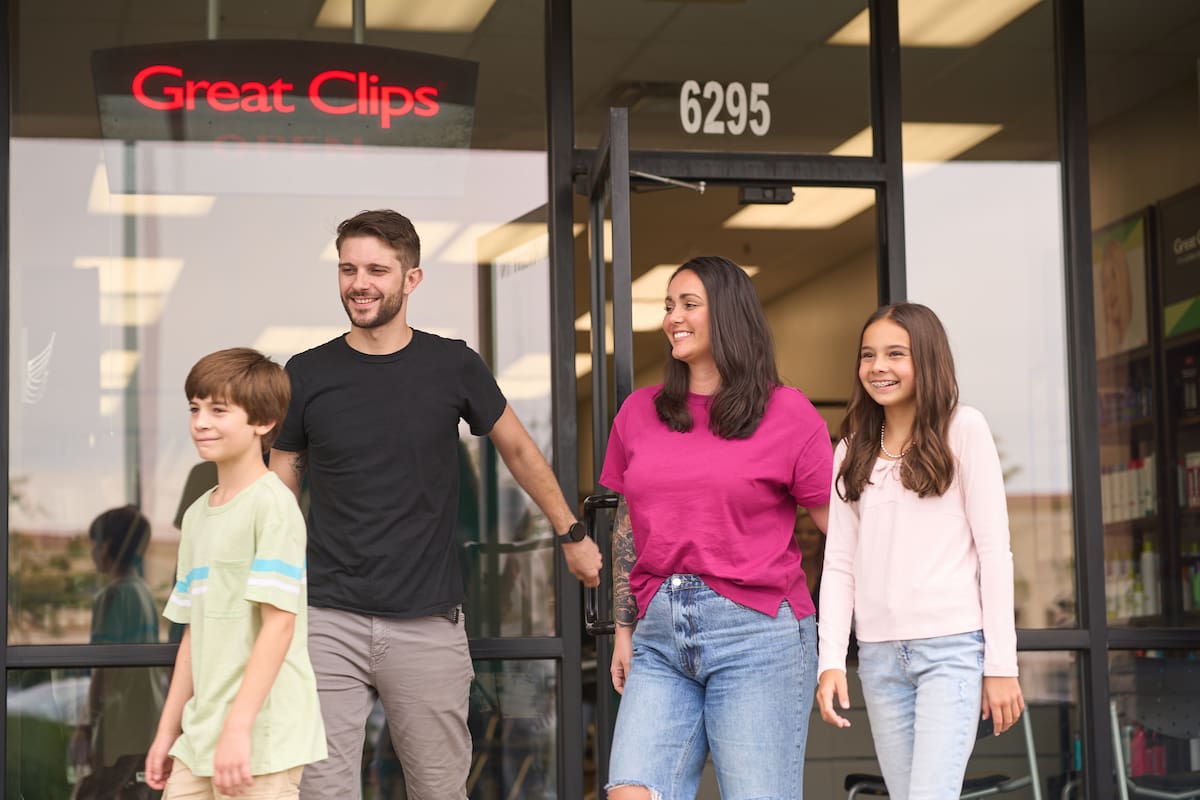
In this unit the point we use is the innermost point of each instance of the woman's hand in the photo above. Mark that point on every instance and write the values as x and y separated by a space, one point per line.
622 655
831 684
1002 702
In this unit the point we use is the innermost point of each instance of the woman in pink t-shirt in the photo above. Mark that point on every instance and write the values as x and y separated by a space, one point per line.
918 552
715 648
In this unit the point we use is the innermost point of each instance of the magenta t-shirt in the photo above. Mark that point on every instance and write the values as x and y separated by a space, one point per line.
722 509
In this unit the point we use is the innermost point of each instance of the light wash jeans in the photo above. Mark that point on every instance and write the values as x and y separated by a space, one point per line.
710 675
923 699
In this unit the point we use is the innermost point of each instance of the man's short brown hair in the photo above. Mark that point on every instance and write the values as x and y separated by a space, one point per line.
247 379
392 227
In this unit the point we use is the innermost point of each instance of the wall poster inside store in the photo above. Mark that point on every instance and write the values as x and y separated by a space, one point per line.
1120 262
1179 254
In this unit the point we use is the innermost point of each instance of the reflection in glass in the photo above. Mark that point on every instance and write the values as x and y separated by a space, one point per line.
157 252
71 734
982 204
1156 718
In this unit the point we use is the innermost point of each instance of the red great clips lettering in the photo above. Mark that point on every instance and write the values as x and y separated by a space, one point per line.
245 90
164 87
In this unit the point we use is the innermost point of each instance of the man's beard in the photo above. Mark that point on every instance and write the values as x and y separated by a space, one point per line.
389 307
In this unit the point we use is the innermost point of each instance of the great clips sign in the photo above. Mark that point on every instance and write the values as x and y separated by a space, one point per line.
285 92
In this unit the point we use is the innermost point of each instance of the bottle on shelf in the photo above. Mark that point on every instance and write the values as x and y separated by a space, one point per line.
1152 597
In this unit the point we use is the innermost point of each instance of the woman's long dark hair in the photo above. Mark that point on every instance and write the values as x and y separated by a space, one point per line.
742 349
928 466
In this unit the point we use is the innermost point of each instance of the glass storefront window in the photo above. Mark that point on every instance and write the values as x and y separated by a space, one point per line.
983 208
80 733
1145 209
1155 711
87 732
198 228
795 78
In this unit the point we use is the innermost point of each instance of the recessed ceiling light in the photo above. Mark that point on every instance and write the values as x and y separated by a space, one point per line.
116 368
457 16
102 201
940 23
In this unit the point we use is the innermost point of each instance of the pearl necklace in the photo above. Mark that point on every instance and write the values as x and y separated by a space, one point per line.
889 453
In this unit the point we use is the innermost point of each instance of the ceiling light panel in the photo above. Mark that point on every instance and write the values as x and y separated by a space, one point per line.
101 201
940 23
926 141
457 16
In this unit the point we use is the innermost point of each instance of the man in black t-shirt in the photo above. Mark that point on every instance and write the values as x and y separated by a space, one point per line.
374 420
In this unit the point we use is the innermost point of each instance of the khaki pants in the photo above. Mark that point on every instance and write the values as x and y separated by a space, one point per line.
420 669
183 785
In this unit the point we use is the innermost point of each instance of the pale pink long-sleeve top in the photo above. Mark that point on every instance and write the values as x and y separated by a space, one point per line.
908 567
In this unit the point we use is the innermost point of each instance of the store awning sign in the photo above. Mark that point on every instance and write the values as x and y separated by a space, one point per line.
284 92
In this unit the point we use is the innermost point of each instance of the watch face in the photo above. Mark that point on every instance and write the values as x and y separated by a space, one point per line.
576 532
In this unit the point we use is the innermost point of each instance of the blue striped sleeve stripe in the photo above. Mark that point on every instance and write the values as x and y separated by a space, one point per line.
274 573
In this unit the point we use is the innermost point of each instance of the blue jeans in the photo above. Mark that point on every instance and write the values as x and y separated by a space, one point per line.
710 675
923 699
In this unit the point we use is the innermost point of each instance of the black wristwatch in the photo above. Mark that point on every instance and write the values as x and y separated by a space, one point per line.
575 533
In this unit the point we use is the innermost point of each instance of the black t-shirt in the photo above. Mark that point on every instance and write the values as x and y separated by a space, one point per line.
380 435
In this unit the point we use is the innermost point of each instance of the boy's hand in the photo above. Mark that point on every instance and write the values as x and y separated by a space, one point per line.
831 684
158 763
231 763
1002 701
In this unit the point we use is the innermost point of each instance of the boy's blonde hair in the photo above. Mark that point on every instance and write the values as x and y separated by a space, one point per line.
246 378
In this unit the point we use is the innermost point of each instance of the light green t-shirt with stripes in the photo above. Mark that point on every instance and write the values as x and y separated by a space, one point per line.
232 558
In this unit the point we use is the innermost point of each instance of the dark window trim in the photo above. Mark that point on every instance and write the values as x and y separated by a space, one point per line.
7 18
1071 77
560 139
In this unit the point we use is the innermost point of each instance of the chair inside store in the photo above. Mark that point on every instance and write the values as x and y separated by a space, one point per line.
986 785
1156 731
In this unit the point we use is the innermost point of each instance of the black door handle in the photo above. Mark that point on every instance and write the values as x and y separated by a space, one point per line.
591 596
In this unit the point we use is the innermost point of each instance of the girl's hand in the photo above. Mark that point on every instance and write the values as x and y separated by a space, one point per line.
833 683
1002 701
622 655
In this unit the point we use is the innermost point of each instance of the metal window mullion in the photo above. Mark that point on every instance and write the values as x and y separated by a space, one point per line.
886 135
1071 77
622 269
560 138
5 360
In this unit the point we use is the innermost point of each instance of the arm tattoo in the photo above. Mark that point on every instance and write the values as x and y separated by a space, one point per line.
623 557
300 463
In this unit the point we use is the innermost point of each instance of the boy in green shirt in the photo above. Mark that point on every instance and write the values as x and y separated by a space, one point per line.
242 712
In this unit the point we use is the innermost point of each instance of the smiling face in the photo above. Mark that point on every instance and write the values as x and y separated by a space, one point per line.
686 319
885 365
222 431
373 282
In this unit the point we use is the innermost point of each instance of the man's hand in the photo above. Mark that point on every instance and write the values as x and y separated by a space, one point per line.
1002 701
622 654
584 560
158 763
231 763
831 684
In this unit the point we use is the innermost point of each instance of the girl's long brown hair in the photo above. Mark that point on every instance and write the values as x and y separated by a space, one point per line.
928 466
742 349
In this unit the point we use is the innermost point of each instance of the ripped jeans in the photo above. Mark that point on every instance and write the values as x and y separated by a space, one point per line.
709 675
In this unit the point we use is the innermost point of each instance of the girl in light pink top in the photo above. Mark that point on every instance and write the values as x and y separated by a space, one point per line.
918 553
